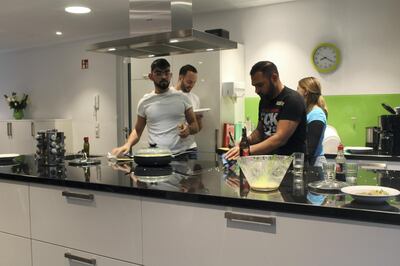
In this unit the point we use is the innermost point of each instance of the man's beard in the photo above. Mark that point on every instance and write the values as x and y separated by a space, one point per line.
185 89
163 85
270 93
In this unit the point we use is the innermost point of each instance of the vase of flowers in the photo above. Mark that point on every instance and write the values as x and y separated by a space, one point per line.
17 104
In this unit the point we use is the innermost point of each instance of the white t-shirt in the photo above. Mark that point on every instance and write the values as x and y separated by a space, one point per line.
163 113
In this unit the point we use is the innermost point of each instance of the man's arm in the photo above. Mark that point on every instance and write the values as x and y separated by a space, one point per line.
133 138
256 136
191 127
284 130
199 121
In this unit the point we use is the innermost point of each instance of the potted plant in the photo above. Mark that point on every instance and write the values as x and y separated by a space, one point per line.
17 104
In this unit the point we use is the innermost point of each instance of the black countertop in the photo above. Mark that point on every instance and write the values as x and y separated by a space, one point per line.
206 181
373 156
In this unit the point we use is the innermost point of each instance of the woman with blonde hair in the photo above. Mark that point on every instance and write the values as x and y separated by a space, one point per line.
317 113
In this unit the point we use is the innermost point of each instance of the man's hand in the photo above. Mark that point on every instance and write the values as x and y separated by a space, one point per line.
184 130
121 150
233 154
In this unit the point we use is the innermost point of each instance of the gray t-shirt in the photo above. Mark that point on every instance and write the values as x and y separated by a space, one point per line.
163 113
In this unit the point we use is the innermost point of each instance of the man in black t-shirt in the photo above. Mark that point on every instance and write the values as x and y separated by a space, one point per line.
282 119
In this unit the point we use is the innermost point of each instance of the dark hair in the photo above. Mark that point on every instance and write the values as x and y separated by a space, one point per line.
160 64
266 67
186 68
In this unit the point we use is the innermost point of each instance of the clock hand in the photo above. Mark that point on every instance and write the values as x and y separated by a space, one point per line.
326 58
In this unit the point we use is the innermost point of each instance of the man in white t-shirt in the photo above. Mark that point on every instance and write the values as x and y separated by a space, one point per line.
167 113
187 80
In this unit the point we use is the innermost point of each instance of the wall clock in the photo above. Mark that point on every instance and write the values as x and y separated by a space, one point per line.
326 57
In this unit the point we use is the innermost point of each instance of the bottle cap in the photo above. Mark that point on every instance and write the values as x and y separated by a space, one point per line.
86 139
340 147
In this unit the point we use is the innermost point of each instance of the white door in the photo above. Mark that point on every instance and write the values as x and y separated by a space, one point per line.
213 236
97 222
15 250
22 137
45 254
5 138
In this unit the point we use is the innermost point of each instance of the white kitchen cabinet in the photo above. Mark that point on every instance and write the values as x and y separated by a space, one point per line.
5 143
14 209
15 250
201 235
96 222
45 254
18 136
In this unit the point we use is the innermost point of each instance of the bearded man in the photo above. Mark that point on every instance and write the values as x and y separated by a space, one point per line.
167 113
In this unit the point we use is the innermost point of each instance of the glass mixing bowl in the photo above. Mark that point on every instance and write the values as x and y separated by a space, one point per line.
264 172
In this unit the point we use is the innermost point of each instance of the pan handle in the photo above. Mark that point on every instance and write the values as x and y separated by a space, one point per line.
389 109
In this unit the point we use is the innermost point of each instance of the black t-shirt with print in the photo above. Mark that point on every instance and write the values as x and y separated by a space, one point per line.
288 105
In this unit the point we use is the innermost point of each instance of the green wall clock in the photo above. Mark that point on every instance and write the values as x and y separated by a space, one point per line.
326 57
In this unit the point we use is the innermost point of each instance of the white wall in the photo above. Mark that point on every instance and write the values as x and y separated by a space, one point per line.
59 88
366 31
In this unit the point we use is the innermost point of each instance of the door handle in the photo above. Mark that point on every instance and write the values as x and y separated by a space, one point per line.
68 194
32 129
11 133
80 259
269 221
8 129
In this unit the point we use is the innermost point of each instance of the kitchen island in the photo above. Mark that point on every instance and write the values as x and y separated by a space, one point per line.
192 213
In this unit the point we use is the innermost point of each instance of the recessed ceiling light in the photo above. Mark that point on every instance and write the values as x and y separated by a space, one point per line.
59 33
150 55
77 9
173 40
111 49
210 49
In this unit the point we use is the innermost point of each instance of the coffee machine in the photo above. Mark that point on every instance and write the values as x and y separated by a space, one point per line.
389 142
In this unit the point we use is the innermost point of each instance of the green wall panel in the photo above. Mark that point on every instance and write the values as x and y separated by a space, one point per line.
349 114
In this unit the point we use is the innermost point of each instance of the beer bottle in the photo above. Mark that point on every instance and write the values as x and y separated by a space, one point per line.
244 144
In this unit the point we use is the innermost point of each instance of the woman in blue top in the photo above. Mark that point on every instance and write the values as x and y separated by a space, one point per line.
317 112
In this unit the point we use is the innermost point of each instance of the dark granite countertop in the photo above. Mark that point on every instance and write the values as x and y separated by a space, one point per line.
373 156
206 181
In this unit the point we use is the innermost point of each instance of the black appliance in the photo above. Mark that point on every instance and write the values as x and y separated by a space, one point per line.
390 135
372 137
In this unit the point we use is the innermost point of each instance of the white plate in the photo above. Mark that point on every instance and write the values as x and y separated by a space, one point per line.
201 110
358 149
8 156
355 191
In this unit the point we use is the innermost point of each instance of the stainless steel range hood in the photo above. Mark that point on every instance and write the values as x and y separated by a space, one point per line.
160 28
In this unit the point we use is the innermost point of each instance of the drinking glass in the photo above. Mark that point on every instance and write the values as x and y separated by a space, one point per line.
351 171
298 163
329 171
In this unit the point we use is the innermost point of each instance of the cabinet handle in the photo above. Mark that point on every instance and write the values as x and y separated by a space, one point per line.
32 129
8 129
11 133
78 195
270 221
80 259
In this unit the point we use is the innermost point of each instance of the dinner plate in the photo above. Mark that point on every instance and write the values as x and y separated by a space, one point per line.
358 150
357 193
8 156
201 110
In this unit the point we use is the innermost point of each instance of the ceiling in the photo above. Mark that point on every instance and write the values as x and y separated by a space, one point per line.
33 23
